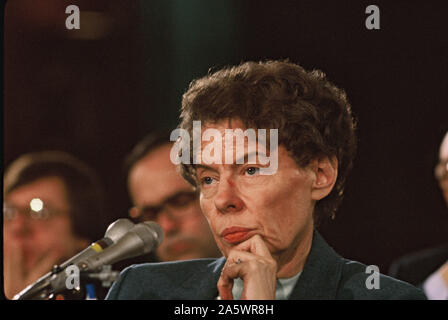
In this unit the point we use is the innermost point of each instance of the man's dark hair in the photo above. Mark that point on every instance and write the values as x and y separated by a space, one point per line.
146 145
313 117
84 190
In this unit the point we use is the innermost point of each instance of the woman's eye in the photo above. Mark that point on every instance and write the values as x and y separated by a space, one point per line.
251 171
207 180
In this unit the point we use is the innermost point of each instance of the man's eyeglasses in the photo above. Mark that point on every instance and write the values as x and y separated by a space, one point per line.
173 204
37 210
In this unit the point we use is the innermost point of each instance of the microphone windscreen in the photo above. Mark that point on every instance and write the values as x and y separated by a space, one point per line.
155 232
118 229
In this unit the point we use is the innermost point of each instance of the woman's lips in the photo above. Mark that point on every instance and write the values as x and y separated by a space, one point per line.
234 235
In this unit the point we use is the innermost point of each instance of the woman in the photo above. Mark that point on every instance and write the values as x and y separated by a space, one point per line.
264 222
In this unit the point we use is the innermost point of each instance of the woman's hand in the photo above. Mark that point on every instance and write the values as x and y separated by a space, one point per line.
253 263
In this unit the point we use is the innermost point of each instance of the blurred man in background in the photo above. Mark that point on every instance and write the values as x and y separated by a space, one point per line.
429 268
52 209
159 193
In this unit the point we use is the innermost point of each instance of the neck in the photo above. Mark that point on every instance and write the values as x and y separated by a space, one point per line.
292 261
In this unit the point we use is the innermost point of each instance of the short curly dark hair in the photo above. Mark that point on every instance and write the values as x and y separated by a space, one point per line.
313 116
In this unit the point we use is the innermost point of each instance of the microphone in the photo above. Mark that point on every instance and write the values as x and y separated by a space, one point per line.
139 240
114 232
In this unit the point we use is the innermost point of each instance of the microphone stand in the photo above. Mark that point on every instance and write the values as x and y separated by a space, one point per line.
106 276
52 286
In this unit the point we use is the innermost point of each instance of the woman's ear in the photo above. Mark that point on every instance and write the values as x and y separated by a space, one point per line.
326 173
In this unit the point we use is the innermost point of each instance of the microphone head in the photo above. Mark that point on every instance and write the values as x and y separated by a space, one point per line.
142 238
118 229
151 233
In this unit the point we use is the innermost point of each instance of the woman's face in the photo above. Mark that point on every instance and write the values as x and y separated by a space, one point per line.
239 203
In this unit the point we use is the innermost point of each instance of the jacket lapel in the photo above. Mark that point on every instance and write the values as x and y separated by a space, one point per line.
210 279
202 285
321 275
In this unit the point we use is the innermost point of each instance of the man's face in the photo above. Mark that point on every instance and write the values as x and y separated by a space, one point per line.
441 170
240 203
152 181
37 238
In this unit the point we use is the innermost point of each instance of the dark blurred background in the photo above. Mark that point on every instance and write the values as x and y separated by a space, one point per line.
94 92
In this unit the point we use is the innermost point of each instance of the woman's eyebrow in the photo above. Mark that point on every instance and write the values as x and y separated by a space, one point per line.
249 156
205 167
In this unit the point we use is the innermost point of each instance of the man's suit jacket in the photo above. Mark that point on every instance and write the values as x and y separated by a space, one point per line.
326 275
416 267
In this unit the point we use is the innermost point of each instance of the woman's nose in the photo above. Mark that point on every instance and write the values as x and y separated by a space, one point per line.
227 199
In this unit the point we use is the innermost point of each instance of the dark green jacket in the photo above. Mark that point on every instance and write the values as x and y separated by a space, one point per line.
326 275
